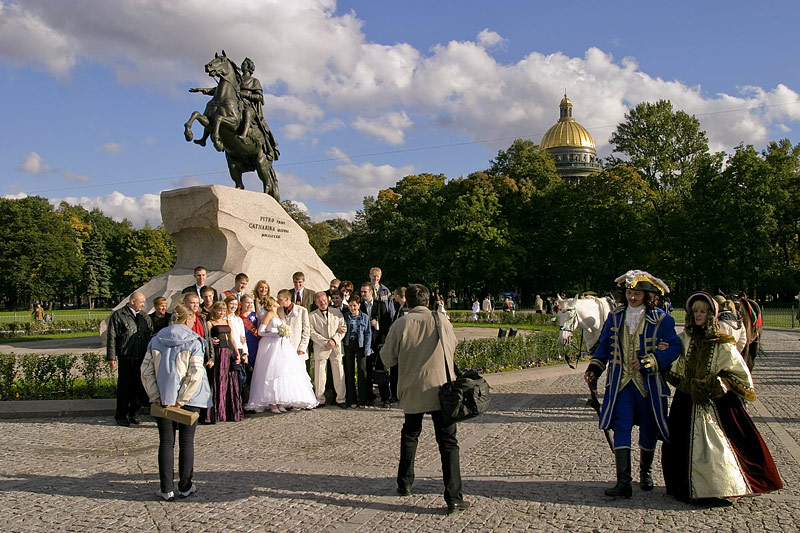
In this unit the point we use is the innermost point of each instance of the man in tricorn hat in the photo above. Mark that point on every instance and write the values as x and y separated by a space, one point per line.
636 392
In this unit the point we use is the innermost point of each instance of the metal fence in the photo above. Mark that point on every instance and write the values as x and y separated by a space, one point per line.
78 314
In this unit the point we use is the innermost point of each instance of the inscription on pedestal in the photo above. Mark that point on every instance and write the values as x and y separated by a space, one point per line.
271 227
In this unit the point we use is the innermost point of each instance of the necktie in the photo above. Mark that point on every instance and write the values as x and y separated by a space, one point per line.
297 298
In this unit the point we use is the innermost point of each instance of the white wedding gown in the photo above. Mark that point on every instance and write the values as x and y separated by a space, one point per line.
279 377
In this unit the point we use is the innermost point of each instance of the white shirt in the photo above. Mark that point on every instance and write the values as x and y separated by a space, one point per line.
237 332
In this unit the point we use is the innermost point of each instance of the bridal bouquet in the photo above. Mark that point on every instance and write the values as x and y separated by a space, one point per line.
284 330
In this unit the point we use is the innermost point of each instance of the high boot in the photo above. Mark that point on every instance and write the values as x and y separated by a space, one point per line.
623 486
645 469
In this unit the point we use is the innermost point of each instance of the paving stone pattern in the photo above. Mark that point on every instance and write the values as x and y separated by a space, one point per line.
536 462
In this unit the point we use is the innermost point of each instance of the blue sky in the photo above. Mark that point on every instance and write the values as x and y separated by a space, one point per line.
96 90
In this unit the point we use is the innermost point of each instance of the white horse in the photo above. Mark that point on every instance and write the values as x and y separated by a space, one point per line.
588 313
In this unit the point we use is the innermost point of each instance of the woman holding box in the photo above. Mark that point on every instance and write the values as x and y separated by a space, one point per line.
173 375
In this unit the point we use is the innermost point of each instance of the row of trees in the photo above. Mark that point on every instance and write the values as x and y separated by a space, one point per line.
66 254
663 203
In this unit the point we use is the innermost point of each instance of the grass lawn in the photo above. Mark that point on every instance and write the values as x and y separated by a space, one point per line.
64 314
72 335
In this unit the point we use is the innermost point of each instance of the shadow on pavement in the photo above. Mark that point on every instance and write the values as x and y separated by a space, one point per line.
217 487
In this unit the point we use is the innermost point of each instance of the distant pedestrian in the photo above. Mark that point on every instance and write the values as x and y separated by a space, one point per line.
538 304
129 332
476 307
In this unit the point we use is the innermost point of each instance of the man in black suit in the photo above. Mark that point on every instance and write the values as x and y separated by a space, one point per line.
380 320
300 294
200 281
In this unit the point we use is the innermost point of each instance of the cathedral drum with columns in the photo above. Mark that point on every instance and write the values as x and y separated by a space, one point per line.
571 146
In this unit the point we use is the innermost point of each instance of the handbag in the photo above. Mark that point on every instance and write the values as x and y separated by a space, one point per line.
467 396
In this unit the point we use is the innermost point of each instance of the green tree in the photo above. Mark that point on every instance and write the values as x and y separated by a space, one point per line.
96 272
41 258
662 144
148 253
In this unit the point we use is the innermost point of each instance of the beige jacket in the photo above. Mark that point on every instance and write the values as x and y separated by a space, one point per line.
413 345
297 321
322 330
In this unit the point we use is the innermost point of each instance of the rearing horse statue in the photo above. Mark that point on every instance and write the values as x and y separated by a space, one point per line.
251 149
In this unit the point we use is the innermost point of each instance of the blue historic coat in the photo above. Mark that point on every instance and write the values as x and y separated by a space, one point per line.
659 327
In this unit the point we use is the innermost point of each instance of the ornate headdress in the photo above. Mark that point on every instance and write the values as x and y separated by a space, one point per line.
642 281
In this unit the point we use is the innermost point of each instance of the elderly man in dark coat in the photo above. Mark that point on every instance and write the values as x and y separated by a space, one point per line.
129 332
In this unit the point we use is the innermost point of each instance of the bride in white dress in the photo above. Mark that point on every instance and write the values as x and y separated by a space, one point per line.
279 378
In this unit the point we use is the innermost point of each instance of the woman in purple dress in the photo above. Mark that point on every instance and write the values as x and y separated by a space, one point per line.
225 380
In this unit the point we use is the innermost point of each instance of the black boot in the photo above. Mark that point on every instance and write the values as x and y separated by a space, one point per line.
645 469
623 486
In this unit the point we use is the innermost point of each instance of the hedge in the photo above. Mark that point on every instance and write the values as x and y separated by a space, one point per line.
498 317
64 376
33 328
510 353
50 376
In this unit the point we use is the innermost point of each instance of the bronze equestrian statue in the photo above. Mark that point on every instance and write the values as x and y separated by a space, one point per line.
234 120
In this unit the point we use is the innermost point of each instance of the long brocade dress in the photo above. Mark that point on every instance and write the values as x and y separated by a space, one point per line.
715 450
225 380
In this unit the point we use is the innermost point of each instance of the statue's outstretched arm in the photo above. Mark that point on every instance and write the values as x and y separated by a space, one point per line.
208 91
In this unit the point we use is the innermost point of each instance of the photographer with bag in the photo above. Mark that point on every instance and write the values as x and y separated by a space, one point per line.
174 376
413 344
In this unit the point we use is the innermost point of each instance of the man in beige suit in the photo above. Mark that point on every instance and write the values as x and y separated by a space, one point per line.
296 317
327 332
414 345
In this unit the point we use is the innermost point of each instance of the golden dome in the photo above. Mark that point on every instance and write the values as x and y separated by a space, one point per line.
567 132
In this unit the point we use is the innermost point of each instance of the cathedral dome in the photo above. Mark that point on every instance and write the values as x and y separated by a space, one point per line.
567 132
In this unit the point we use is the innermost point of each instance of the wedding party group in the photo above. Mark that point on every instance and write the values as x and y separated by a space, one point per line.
200 361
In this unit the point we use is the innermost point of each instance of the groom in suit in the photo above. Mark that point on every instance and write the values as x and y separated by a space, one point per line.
327 331
296 317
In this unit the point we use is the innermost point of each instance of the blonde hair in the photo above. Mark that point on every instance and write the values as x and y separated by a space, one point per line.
215 306
375 270
180 314
699 304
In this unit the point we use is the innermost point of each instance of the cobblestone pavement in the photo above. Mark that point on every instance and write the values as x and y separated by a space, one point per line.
536 462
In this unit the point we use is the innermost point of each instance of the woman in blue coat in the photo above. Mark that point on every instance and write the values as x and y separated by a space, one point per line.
357 347
636 393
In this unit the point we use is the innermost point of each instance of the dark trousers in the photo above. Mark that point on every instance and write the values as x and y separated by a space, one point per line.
374 363
448 450
130 391
166 453
352 353
393 373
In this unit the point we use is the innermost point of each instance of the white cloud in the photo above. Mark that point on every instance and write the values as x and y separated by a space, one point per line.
139 210
33 163
111 148
351 183
335 153
328 215
190 181
73 176
389 127
327 74
490 39
15 196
